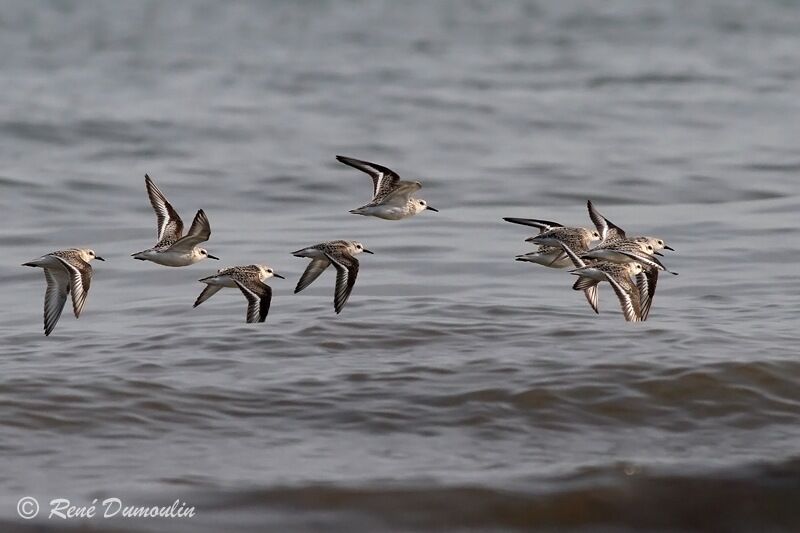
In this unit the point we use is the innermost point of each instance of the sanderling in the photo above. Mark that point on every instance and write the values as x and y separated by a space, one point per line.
611 232
655 242
391 198
590 292
549 256
66 271
618 276
625 251
341 254
250 280
172 248
575 238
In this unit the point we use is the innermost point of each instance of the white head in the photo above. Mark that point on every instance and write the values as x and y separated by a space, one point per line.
646 247
202 253
267 272
635 268
593 234
419 205
357 248
655 242
87 255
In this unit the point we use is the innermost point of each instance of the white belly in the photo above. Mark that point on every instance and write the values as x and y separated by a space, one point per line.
169 258
221 281
546 260
386 212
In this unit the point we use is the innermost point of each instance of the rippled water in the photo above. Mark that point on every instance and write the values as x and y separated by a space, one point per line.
458 389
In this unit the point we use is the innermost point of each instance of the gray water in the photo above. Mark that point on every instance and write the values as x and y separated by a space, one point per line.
458 389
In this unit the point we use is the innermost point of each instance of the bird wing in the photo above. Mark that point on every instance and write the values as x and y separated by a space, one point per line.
55 296
346 273
592 296
80 276
577 261
628 298
646 284
208 292
259 297
399 195
541 225
169 225
200 231
606 228
383 179
312 272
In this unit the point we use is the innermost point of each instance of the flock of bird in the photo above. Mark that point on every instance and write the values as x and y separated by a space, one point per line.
628 264
68 272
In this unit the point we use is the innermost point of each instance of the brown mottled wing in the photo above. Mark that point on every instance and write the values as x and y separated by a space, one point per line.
346 273
169 225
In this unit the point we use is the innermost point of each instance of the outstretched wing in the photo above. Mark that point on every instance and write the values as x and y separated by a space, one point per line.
577 261
55 296
399 195
541 225
169 225
80 278
589 288
259 297
200 231
606 228
208 292
346 273
628 299
312 272
383 179
646 284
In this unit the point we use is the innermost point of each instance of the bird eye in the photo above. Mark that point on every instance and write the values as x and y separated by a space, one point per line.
269 270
